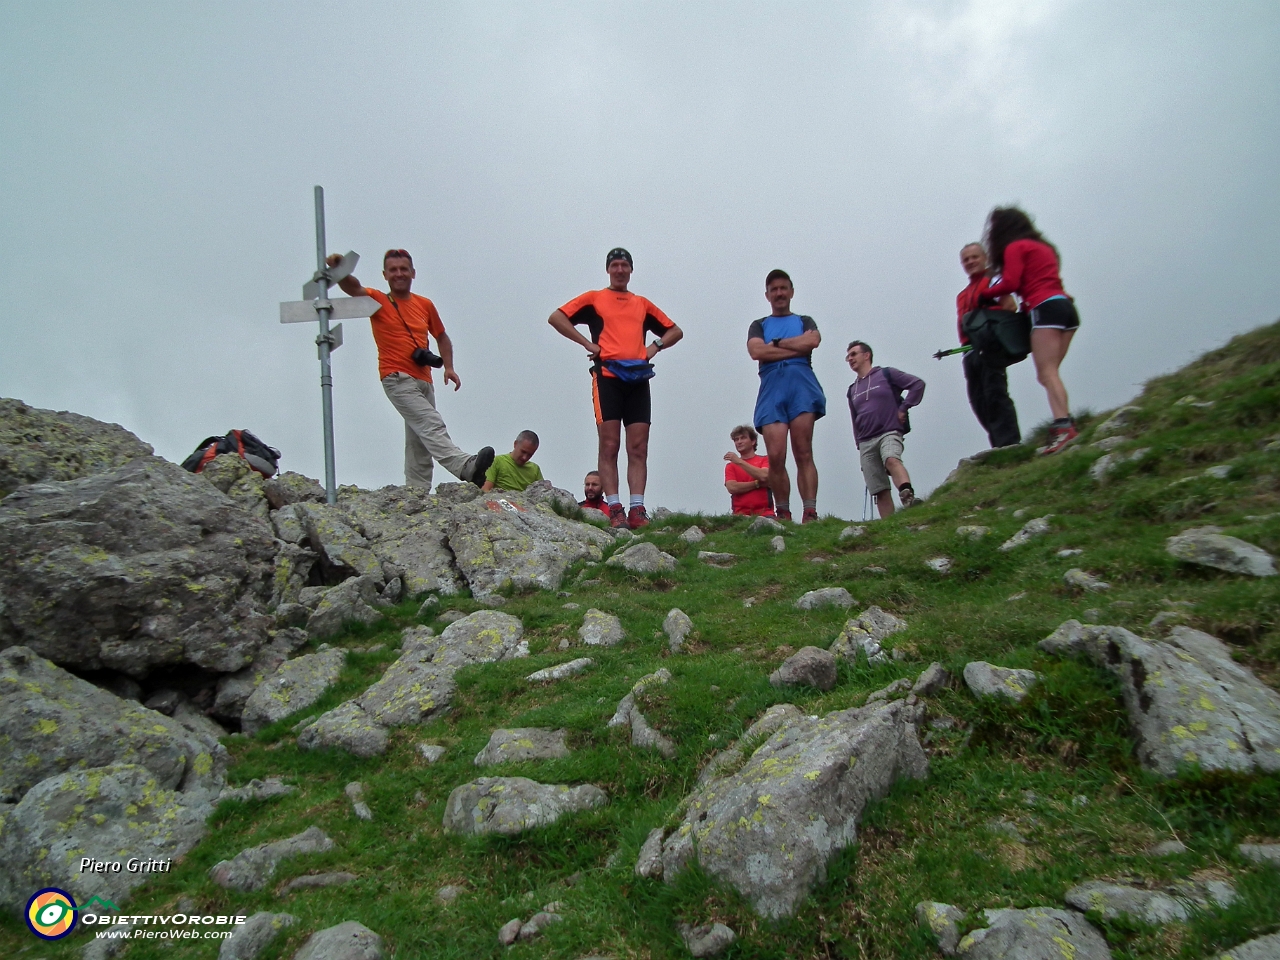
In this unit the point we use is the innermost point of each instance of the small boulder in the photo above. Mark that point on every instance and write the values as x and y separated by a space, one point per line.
509 931
778 544
511 805
693 535
313 881
713 559
809 666
932 681
642 558
560 671
677 626
523 743
600 629
296 685
355 793
348 728
1040 933
1261 852
253 868
649 863
346 941
764 525
706 939
1208 547
826 597
850 533
943 921
449 893
939 564
537 923
1106 465
1122 418
251 937
988 680
1030 530
1262 948
431 752
970 532
352 601
1080 580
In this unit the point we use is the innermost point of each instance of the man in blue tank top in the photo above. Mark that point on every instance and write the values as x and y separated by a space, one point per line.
790 398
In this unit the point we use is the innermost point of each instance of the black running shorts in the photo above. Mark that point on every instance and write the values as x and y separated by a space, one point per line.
616 400
1059 314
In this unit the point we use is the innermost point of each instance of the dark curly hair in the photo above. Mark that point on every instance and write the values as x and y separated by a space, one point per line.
1005 225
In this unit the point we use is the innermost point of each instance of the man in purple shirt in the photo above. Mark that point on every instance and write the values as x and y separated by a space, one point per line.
879 412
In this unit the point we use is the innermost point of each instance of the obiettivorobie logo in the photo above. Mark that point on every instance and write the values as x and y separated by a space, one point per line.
52 913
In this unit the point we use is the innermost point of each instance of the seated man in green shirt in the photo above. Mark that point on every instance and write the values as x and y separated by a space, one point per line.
515 470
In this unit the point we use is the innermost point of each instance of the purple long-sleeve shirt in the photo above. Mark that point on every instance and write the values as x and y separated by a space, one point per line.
873 401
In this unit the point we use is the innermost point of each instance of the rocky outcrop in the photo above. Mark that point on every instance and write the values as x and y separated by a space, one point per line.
943 921
1112 901
346 941
352 601
523 743
770 828
252 869
1188 701
511 805
43 445
600 629
141 567
629 714
233 690
518 546
1262 948
296 685
1208 547
1041 933
407 531
864 633
348 728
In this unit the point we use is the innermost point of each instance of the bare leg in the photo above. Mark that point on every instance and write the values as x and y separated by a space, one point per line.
802 446
637 459
775 445
1048 348
897 472
884 503
610 434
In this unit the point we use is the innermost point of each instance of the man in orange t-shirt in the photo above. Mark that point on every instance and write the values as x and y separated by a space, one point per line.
400 329
617 321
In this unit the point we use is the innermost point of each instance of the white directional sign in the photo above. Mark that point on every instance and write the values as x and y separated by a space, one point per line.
344 308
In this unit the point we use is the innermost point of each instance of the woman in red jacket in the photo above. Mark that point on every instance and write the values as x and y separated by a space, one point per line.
1026 263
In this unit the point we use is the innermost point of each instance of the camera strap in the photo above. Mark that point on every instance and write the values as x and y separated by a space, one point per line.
406 326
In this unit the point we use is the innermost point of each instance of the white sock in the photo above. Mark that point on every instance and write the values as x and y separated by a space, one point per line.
613 500
637 500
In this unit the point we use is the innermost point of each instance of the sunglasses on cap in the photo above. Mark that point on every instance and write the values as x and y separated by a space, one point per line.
397 254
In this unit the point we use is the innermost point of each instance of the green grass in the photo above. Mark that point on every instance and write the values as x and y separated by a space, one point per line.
1094 812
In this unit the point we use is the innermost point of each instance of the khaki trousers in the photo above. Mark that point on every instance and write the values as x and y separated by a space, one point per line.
425 435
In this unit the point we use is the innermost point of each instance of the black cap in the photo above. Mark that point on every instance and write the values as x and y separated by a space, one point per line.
617 253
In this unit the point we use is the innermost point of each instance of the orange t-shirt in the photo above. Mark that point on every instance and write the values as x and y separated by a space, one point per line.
618 321
397 340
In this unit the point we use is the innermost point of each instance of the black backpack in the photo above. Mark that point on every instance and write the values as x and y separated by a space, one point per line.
1001 337
257 454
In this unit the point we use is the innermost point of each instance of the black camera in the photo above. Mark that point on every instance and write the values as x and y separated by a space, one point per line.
425 358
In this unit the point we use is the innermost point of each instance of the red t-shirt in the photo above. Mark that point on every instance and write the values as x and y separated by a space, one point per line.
967 301
753 502
396 340
1030 271
599 503
617 320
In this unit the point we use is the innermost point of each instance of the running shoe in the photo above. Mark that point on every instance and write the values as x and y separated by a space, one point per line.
637 518
783 515
483 461
1059 438
617 517
809 516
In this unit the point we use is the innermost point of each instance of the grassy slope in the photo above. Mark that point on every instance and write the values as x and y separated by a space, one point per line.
1094 814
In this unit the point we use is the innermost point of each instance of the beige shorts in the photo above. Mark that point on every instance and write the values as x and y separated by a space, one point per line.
873 453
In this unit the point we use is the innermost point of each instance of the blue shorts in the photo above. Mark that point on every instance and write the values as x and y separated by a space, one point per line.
788 389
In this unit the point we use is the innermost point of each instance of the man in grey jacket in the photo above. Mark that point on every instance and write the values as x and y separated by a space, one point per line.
879 408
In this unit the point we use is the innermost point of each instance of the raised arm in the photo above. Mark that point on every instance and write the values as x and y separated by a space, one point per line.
348 284
1010 277
561 323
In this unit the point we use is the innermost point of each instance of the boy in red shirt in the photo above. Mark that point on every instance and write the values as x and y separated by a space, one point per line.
746 475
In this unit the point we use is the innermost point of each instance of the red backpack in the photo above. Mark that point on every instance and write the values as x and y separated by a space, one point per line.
257 454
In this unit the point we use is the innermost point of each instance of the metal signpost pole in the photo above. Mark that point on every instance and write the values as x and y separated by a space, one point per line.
316 305
323 341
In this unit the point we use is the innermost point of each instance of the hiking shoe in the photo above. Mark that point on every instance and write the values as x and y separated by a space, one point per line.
617 517
809 516
484 460
637 518
1059 438
907 495
783 515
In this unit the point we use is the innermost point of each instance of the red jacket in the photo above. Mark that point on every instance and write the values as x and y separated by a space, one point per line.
1030 271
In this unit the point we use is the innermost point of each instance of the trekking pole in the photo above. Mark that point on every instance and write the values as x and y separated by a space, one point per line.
946 353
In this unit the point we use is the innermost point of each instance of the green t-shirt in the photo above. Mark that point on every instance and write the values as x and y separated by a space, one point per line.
504 474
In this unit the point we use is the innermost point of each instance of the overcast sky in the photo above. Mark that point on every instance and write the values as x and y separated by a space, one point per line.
157 163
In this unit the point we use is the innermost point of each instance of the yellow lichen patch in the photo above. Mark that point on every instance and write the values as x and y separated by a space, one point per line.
1206 703
1067 948
1181 732
46 726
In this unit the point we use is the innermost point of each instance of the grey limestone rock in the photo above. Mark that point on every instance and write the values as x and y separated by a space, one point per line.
41 445
765 525
96 812
511 805
251 937
290 575
268 789
727 761
939 564
355 793
449 893
901 685
408 530
523 743
352 601
943 921
509 931
1040 933
933 680
296 685
342 549
1080 580
1115 900
864 633
972 532
431 752
1208 547
1168 848
778 544
851 532
234 689
142 567
677 626
826 597
1262 948
600 629
808 666
1121 419
1107 444
988 680
713 558
693 535
527 545
1030 530
538 923
346 727
1106 465
642 558
770 827
1187 700
649 862
346 941
706 939
629 714
290 487
560 671
312 881
1261 852
252 869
